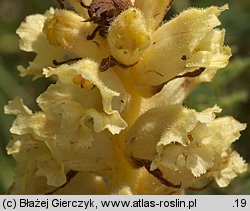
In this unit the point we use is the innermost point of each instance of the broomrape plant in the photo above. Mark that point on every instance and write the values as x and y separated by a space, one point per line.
112 122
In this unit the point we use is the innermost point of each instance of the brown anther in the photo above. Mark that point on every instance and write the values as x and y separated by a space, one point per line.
84 83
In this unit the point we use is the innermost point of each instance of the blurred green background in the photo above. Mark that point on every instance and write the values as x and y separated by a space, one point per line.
230 89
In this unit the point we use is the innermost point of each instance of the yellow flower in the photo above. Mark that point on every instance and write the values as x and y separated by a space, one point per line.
185 145
136 67
185 44
53 142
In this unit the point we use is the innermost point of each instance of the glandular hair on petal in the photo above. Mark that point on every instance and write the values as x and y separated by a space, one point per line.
128 37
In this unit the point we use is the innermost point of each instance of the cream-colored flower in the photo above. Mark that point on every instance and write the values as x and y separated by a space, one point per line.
58 35
188 43
185 145
71 125
75 142
33 40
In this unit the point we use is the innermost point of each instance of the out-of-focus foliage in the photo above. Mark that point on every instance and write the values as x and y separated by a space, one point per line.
230 89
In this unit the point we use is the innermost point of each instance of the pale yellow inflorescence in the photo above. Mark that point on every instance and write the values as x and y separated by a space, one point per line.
103 132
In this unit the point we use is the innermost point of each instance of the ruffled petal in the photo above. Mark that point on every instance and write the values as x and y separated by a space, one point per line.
88 70
211 53
16 107
200 161
34 158
234 165
220 133
32 39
